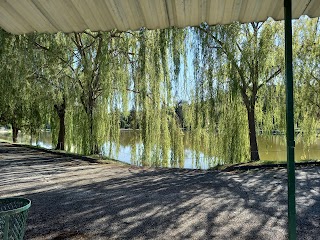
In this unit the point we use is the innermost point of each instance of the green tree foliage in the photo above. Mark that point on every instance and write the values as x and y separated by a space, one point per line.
157 65
88 85
307 76
21 105
239 59
54 73
107 71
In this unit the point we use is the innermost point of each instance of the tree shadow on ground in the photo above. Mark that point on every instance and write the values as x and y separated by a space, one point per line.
77 200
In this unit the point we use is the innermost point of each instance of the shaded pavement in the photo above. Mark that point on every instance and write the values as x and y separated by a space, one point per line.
75 199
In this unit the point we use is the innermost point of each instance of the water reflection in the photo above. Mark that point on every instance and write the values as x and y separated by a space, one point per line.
43 139
274 148
270 148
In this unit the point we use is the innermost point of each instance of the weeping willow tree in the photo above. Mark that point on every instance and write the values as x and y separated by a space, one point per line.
116 70
21 104
102 76
86 76
53 62
235 61
159 55
84 83
13 108
307 75
107 71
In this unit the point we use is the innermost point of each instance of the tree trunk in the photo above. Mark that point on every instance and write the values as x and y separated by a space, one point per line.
14 133
94 149
253 135
61 111
62 133
91 138
250 106
89 104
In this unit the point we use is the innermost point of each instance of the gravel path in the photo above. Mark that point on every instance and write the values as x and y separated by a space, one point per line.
74 199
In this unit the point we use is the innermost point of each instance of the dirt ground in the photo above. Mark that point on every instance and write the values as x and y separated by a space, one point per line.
75 199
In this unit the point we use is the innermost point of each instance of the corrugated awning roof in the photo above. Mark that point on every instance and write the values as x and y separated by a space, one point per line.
24 16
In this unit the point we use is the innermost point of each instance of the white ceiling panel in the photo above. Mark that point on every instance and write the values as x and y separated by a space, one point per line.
24 16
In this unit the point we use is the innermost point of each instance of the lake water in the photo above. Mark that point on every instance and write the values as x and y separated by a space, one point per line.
270 148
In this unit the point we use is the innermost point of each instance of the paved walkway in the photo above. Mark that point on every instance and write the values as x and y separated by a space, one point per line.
74 199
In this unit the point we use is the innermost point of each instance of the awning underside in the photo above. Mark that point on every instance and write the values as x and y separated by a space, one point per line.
24 16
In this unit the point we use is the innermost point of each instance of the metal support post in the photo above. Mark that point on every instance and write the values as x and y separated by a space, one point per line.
290 121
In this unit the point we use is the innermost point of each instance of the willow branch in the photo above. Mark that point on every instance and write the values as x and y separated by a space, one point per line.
276 73
59 57
229 56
